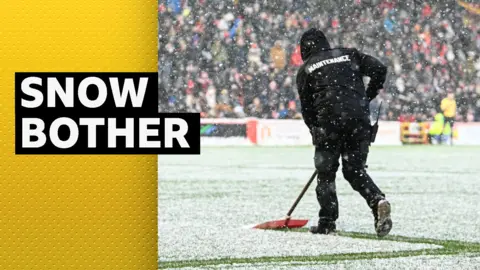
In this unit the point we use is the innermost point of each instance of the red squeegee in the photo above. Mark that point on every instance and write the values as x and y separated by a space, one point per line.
288 222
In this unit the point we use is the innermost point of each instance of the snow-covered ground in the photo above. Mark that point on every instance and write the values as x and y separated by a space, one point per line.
408 263
207 202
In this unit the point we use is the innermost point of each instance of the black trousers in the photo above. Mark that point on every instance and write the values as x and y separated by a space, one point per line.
451 121
350 140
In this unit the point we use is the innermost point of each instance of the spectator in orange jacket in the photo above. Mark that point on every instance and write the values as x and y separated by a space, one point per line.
278 56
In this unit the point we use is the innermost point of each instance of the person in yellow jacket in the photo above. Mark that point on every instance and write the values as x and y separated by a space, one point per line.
439 129
449 109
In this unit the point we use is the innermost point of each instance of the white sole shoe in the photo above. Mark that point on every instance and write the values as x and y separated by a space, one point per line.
384 221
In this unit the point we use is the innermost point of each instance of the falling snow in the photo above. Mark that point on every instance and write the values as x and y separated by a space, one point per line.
208 203
239 58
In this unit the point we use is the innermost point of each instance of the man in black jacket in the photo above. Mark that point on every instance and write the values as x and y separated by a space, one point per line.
335 107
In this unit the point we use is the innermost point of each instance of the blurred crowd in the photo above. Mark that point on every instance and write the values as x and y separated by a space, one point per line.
238 58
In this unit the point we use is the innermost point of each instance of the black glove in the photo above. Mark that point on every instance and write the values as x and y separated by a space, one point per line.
372 92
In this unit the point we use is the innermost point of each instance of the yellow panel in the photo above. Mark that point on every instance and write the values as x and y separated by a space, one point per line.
75 212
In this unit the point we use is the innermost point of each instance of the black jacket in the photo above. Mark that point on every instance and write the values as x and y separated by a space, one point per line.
330 82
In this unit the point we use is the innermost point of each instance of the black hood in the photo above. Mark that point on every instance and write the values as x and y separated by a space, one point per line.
313 40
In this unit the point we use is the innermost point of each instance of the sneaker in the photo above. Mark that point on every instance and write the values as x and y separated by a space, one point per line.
322 228
383 221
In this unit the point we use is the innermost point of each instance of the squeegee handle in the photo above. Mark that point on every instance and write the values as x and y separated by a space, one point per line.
301 194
